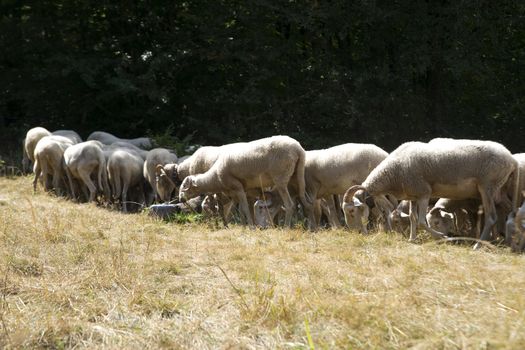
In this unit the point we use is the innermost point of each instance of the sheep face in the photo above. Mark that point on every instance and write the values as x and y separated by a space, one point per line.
356 214
164 183
188 189
400 221
210 205
441 221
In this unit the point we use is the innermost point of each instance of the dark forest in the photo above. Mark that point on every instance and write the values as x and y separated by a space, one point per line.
215 72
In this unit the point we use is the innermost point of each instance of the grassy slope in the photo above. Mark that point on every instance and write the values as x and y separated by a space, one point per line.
74 275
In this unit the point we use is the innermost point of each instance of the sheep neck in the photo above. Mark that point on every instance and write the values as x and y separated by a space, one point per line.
208 182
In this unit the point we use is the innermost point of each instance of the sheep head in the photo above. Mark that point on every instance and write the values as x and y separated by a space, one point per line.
265 210
441 221
164 180
400 220
188 189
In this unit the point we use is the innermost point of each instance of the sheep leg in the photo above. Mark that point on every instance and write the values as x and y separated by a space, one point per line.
243 202
317 211
332 214
490 215
413 221
124 197
38 171
86 178
288 204
71 184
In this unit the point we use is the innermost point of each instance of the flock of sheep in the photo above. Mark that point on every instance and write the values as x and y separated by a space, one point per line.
477 184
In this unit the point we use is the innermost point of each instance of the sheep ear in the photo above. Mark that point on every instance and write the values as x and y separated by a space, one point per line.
433 210
158 169
187 183
447 215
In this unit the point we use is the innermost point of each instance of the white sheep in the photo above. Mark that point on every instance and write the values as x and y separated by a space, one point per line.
456 169
107 139
170 176
125 171
49 155
332 171
33 135
258 164
84 161
155 157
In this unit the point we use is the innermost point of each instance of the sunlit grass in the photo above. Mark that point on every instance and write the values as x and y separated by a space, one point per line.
75 275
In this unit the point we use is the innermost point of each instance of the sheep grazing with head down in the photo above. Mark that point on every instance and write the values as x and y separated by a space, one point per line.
49 161
125 174
33 135
108 139
83 162
170 175
449 168
154 158
267 162
330 172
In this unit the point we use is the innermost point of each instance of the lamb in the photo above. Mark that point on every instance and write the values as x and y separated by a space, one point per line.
82 161
455 217
49 155
155 157
258 164
107 139
418 171
125 171
400 217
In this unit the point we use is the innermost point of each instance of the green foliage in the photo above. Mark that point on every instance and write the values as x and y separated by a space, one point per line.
166 139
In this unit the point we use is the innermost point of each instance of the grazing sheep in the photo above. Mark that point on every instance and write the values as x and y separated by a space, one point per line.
256 165
332 171
418 171
84 160
170 176
108 139
125 171
166 181
49 156
155 157
450 214
70 134
32 137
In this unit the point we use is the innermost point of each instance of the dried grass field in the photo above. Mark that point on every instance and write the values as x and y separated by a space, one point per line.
79 276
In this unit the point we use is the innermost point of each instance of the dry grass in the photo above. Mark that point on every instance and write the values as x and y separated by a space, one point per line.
78 276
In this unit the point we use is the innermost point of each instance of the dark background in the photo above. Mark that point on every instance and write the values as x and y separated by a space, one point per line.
323 72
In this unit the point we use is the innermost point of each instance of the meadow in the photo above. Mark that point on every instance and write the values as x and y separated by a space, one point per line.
81 276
